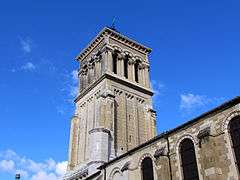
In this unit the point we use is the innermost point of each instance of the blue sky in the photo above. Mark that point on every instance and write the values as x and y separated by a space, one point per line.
194 67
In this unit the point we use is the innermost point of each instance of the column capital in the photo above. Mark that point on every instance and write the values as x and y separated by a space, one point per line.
120 56
140 66
84 72
80 72
97 58
145 66
127 53
90 65
131 61
107 48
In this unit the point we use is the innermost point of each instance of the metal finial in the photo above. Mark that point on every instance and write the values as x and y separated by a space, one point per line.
113 24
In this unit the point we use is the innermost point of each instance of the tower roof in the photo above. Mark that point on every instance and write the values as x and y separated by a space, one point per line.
106 31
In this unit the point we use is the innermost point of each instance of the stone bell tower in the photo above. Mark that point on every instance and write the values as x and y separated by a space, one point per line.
114 110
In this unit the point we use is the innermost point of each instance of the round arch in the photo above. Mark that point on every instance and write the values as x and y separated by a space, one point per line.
140 162
115 173
227 136
177 150
228 119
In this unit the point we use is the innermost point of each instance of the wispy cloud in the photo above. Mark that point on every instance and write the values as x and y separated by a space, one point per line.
7 165
26 45
69 92
74 74
158 88
190 102
29 66
74 83
11 162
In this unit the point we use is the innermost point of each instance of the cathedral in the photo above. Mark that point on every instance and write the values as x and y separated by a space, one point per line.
113 131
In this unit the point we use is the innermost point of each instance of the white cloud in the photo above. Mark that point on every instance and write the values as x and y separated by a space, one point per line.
61 168
26 45
9 154
189 102
28 67
29 169
44 176
51 164
33 166
7 165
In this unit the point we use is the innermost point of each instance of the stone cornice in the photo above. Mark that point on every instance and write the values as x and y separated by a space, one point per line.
117 79
116 35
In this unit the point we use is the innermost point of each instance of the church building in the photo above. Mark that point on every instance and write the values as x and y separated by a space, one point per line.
113 131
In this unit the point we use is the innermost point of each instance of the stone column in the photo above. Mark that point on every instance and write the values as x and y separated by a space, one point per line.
103 64
107 54
94 72
109 60
131 71
91 73
145 75
147 80
140 74
98 67
84 78
88 74
120 65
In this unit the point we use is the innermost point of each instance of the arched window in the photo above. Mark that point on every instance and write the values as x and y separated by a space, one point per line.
126 66
234 127
136 65
114 63
188 160
147 169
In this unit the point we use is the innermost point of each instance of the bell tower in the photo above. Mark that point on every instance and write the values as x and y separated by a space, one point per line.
114 110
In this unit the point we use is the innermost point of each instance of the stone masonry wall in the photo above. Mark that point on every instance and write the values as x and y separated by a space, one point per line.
214 154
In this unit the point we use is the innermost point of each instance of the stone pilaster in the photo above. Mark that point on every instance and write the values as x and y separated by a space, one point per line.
131 121
97 111
111 122
151 123
141 120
